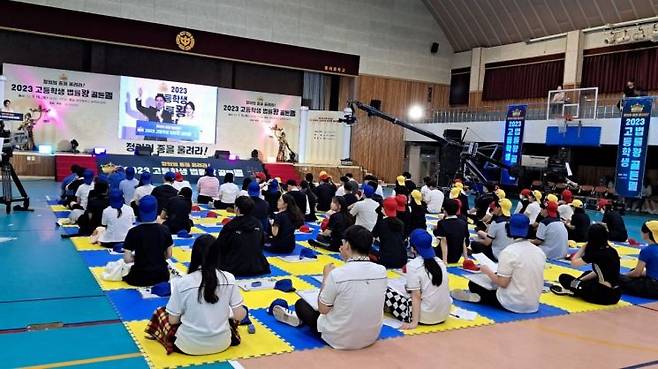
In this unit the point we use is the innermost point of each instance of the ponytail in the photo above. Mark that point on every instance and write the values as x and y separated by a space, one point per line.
434 270
119 212
205 256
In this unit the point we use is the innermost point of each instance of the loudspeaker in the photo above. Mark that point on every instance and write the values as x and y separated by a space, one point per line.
435 47
143 150
453 135
222 154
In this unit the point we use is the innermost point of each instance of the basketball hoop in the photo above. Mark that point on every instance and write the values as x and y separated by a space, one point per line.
565 119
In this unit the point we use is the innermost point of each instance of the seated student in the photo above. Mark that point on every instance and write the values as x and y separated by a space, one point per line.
300 197
463 199
494 240
403 213
180 182
365 210
520 276
82 193
325 192
452 233
341 191
117 219
614 221
165 191
332 237
401 186
245 187
144 188
228 192
578 227
349 196
176 214
389 230
552 236
241 242
65 192
204 308
286 221
312 201
128 185
418 210
378 195
434 198
148 245
601 284
92 216
207 187
425 189
351 300
261 208
427 282
115 178
272 196
534 206
643 279
564 210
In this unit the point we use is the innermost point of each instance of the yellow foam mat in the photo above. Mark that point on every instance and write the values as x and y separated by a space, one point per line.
108 285
196 230
84 244
223 213
59 208
304 268
208 221
449 324
626 250
260 299
456 282
182 255
264 342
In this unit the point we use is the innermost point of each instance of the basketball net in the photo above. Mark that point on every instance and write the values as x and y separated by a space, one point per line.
565 119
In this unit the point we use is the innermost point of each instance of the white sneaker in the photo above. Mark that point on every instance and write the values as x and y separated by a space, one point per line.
465 295
286 316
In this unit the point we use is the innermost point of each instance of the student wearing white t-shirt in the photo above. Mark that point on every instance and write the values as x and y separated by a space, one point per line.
365 211
205 305
181 182
533 209
82 193
552 235
351 300
427 283
425 190
228 192
434 199
128 185
494 240
117 219
519 280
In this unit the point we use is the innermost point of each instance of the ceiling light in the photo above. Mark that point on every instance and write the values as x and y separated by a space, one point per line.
416 112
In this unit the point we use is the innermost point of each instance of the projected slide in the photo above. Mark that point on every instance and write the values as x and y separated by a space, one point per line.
156 110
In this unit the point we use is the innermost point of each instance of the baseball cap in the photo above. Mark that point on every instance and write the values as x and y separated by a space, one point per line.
402 202
130 173
261 176
179 177
254 189
323 175
417 196
401 180
652 225
518 225
603 203
390 206
421 241
577 203
455 192
526 192
537 194
116 199
459 184
551 208
505 206
88 176
500 193
368 191
567 196
169 177
145 178
148 208
551 198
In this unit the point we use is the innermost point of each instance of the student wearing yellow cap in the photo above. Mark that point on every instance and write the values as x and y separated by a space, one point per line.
495 239
579 224
643 279
401 186
534 206
418 207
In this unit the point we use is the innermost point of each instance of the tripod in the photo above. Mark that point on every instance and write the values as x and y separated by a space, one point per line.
10 177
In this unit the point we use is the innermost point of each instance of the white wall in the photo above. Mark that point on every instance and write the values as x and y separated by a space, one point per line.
535 131
393 37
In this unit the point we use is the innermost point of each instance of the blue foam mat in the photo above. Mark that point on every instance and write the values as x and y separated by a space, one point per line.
131 306
62 214
274 272
503 316
97 258
310 280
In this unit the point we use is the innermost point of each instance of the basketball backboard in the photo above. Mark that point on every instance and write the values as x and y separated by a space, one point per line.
572 104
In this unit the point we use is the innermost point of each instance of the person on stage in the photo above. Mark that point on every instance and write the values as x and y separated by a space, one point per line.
156 113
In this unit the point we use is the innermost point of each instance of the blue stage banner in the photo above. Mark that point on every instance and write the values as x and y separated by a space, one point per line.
513 141
177 132
633 144
191 168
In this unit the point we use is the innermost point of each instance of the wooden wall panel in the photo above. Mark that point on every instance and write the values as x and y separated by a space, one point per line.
378 145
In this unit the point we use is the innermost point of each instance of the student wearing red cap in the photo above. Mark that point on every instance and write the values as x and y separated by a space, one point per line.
389 231
180 182
601 284
452 233
325 192
614 221
564 210
426 282
524 201
552 236
403 212
643 279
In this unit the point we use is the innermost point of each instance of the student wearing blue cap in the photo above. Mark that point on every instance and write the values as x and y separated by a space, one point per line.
143 188
117 219
165 191
205 307
128 185
148 245
82 193
427 283
261 207
519 280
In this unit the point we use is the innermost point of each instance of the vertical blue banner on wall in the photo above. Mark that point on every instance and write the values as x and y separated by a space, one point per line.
513 141
633 142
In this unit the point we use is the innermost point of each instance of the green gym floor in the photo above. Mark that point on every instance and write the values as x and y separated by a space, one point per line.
45 281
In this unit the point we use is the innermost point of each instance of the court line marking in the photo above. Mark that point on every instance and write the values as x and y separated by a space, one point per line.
99 359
